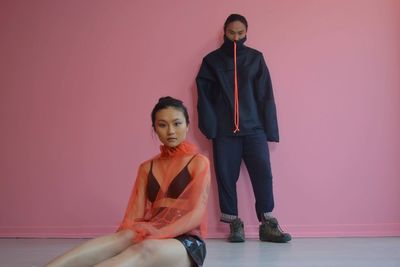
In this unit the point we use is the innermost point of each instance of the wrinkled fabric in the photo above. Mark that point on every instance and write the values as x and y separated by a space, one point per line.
164 216
195 247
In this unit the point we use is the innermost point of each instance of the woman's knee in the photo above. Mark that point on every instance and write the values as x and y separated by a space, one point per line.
145 249
153 252
124 234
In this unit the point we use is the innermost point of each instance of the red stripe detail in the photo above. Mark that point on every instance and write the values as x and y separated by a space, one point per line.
236 94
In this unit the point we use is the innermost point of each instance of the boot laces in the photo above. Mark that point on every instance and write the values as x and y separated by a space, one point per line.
273 223
236 225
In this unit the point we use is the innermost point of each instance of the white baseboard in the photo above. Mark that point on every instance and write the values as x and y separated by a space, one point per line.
334 230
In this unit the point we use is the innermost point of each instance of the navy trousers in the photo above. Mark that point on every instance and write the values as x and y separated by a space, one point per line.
228 154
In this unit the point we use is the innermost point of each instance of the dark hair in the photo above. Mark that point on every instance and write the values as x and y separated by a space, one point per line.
166 102
233 18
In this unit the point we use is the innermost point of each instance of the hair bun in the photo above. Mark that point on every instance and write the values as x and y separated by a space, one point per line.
169 99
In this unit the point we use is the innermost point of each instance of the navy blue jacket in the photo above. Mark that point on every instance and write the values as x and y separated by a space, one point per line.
215 87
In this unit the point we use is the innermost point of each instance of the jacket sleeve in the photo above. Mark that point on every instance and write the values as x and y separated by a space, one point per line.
266 102
205 82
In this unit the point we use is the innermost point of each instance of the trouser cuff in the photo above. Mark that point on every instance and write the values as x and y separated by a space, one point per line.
227 217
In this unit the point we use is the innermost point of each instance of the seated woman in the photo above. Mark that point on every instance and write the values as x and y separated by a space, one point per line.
165 219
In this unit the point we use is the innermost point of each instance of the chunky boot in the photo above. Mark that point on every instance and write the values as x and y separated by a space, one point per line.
271 232
236 231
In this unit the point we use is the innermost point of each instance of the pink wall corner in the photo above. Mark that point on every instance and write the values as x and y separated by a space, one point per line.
79 79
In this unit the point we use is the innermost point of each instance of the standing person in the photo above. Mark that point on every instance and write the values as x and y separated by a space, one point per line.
237 111
164 222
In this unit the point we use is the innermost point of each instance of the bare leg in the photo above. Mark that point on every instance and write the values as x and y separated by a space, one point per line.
94 250
152 252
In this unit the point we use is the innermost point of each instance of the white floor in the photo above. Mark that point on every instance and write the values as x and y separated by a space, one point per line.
300 252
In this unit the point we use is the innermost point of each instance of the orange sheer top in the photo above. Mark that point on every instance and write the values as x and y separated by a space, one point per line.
170 195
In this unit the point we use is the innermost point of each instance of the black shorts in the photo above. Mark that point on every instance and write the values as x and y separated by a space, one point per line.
195 247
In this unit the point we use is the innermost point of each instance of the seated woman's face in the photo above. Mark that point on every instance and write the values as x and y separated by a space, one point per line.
170 126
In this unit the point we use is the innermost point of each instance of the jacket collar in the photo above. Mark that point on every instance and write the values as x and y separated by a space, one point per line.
227 46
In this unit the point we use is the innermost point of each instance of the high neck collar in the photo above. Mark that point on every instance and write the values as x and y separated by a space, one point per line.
227 46
184 148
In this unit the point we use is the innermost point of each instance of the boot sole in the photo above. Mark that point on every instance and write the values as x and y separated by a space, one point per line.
236 240
276 241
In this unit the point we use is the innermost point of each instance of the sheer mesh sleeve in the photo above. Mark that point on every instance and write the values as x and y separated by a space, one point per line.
138 203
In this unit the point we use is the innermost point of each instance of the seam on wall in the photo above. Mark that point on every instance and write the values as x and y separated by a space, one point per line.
57 232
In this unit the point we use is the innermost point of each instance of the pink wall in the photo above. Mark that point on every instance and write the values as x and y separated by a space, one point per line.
78 80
